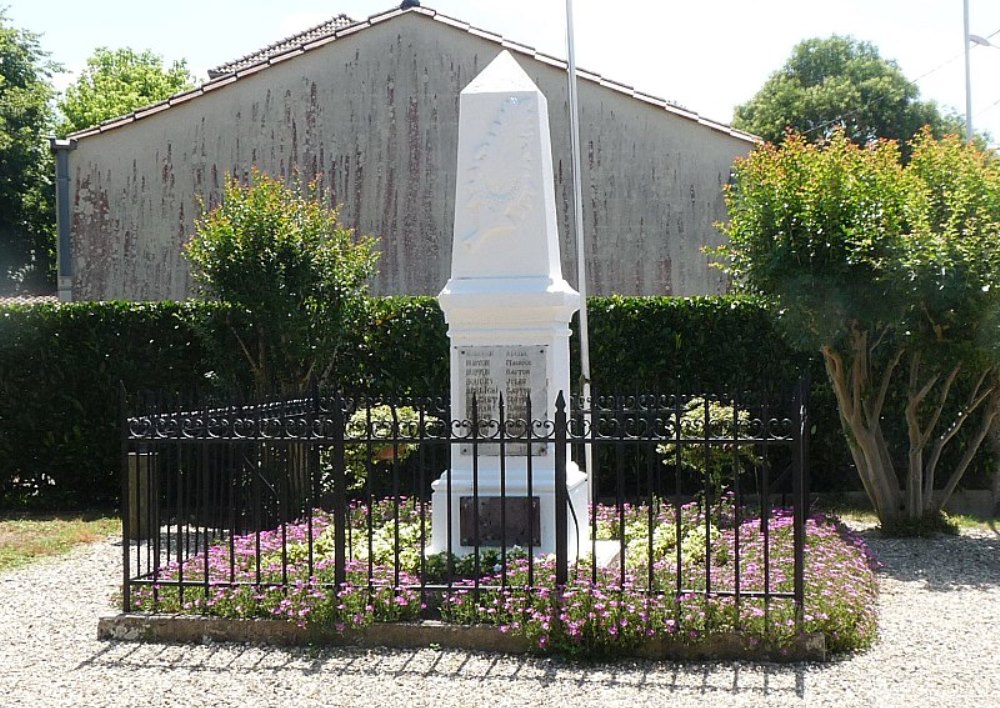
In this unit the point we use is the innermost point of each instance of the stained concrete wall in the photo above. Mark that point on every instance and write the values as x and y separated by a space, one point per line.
374 117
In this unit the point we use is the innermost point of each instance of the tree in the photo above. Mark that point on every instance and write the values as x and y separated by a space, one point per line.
840 83
117 82
888 271
284 261
27 211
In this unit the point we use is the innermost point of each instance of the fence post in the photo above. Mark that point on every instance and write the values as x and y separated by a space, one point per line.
123 408
561 494
339 493
799 503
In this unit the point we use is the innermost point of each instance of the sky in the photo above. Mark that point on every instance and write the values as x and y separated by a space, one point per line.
708 56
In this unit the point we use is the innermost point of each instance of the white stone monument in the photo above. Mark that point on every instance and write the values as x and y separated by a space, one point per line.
508 310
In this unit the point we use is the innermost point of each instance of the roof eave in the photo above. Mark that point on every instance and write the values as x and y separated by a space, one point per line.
220 80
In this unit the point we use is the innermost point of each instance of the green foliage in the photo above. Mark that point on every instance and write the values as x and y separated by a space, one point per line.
117 82
845 237
400 348
440 567
27 199
950 264
881 266
840 83
382 422
66 403
818 228
298 276
60 366
662 537
687 345
714 462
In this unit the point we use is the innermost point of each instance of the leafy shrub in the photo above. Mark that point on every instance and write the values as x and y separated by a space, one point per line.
381 422
686 345
704 418
401 348
297 274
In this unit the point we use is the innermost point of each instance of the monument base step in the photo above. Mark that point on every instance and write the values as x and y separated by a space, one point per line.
609 554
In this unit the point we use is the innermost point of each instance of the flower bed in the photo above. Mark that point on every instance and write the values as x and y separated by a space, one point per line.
609 610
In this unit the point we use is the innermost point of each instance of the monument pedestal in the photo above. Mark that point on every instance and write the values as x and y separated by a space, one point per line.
508 310
525 523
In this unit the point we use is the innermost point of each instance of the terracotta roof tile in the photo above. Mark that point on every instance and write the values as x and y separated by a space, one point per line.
324 29
218 83
27 299
253 69
151 109
323 40
186 96
460 24
341 26
517 47
485 34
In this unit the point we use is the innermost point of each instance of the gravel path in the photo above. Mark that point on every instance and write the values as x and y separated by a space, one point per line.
939 646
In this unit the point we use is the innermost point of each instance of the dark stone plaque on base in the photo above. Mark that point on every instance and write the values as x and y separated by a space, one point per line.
491 524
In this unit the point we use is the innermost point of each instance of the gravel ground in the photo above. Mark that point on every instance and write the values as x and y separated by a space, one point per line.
939 646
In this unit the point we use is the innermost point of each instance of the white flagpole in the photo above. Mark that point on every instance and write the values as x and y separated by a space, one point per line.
968 75
581 254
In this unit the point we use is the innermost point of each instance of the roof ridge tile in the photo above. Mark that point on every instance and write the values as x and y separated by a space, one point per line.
286 49
321 30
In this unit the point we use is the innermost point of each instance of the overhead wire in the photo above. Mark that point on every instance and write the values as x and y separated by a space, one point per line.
913 82
993 106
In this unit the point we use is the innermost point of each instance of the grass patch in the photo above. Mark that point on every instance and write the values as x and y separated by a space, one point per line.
948 524
23 538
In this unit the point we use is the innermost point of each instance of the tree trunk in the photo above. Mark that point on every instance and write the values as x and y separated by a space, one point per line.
860 412
995 444
860 398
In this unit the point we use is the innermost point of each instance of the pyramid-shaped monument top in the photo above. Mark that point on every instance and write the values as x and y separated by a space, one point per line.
505 213
502 75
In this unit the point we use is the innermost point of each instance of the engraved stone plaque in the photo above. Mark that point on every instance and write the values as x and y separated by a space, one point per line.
491 522
516 372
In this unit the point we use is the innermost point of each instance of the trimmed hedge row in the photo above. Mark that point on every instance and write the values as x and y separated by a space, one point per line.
664 344
60 366
59 399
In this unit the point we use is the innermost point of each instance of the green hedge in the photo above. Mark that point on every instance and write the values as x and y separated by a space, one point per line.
60 366
665 344
59 371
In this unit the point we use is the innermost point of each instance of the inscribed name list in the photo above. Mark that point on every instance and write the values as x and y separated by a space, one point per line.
516 372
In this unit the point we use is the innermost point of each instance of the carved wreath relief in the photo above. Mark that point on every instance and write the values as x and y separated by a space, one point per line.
502 176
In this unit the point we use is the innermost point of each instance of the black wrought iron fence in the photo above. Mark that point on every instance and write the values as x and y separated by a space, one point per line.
689 496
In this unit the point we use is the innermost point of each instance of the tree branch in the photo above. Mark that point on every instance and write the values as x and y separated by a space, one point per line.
942 399
975 400
970 451
834 363
246 352
886 378
858 367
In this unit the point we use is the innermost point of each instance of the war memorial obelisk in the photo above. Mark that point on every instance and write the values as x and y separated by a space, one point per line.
508 310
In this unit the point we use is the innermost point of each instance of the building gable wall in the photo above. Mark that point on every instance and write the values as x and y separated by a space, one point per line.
373 118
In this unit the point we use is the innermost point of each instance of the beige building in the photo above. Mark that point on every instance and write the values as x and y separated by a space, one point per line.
370 110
